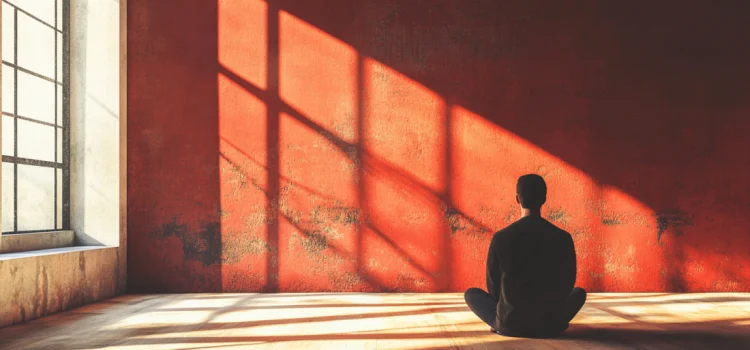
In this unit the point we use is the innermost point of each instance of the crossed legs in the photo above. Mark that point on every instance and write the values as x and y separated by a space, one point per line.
484 306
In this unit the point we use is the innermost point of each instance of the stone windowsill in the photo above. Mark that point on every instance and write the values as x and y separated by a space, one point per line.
24 242
43 252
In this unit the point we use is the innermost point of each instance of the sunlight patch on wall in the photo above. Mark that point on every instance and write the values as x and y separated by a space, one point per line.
242 36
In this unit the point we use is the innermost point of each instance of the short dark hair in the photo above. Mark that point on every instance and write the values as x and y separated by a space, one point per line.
532 191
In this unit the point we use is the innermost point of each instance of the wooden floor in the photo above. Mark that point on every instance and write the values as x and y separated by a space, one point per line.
378 321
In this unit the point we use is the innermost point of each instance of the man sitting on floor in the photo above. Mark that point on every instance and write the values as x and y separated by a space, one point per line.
531 272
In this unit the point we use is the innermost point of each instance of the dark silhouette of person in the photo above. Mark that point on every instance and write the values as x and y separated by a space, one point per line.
531 273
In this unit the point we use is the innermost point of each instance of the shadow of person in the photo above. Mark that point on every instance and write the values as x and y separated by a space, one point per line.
688 338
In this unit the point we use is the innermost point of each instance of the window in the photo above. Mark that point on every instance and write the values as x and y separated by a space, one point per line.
35 129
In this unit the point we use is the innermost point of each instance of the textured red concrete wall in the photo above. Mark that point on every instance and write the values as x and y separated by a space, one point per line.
344 145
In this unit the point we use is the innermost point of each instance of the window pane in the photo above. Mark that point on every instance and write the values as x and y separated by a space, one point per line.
59 15
36 98
8 136
36 46
8 92
8 193
42 9
36 141
36 198
8 44
58 208
29 33
59 105
59 145
59 57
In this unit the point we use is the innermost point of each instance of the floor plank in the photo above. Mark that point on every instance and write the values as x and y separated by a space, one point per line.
378 321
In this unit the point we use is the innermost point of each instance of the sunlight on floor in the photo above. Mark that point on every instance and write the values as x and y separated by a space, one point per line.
377 321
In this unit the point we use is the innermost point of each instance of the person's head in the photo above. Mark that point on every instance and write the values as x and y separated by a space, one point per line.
531 192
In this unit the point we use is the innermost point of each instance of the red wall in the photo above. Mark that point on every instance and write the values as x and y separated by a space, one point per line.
342 145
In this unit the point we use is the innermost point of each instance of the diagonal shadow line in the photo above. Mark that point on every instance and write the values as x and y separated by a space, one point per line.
346 147
604 302
372 163
710 325
282 177
224 310
288 321
400 251
310 306
425 325
310 337
223 346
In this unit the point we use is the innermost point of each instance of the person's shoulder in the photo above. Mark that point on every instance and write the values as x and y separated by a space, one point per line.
559 231
509 230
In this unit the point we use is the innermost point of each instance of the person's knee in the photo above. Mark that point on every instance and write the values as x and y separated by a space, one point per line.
580 294
471 293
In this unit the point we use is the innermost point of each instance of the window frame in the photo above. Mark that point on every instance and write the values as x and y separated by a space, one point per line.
61 79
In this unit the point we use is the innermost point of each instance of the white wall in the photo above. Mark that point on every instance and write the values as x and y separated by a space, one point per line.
95 121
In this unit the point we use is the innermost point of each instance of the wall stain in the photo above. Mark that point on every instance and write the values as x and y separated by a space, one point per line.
346 282
458 222
409 283
335 214
671 218
315 243
44 295
558 215
203 246
611 221
454 220
258 216
82 264
243 281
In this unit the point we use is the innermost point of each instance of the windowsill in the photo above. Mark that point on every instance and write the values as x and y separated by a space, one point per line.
24 242
36 253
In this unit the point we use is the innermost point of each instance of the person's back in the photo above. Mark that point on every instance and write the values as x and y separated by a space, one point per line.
535 271
531 272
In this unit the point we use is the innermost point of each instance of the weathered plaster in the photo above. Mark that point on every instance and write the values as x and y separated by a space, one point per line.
374 145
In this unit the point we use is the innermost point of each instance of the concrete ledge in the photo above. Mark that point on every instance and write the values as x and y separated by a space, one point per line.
44 252
23 242
43 282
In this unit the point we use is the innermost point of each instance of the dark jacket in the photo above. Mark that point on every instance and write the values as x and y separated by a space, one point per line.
531 270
